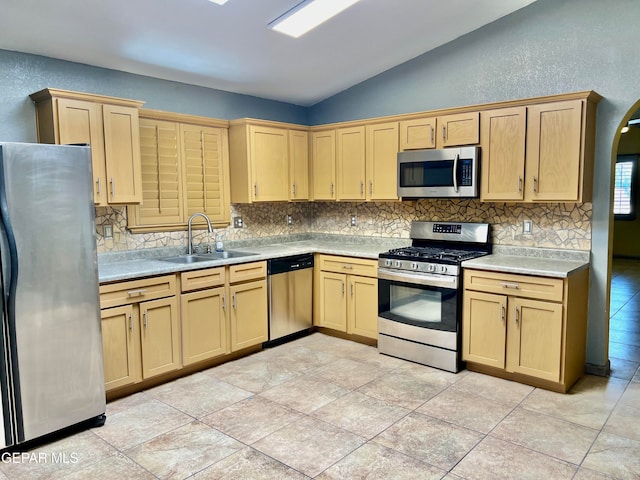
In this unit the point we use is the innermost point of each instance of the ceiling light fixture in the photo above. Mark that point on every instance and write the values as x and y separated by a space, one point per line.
307 15
219 2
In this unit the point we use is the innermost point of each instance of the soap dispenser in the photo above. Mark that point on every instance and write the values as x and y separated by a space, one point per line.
219 244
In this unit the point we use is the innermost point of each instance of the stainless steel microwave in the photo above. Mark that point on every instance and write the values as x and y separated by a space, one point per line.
446 172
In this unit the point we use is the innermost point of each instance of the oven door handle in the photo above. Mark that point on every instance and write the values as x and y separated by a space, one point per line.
429 280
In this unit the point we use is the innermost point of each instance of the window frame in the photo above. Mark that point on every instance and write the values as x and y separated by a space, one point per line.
633 159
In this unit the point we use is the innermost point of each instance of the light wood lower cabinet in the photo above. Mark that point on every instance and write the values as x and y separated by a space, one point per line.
526 328
140 330
248 309
347 302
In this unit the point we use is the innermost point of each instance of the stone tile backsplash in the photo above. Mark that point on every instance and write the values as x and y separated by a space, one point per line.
555 225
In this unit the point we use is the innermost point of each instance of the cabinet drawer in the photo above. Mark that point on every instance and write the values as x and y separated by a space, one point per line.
525 286
349 265
123 293
198 279
247 271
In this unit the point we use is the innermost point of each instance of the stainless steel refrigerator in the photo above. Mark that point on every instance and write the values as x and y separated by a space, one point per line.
51 370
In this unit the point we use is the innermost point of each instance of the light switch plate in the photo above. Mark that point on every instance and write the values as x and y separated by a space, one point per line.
107 230
527 227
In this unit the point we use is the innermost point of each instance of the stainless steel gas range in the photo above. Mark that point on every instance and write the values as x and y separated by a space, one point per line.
420 292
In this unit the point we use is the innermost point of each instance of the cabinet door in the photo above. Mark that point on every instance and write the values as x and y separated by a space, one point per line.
382 161
363 306
120 347
269 157
332 301
205 172
534 343
249 323
160 336
323 152
81 122
350 161
161 174
122 154
554 153
503 135
458 129
204 325
417 134
298 165
484 328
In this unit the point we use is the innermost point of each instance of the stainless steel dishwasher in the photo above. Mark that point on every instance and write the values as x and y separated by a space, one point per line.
290 291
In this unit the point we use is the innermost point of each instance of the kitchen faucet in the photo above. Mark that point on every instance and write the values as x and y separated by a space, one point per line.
190 234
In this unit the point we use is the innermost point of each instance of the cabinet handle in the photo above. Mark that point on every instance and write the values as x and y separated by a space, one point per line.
113 189
131 323
332 189
343 289
224 303
444 132
517 316
432 133
533 184
136 293
294 189
347 267
144 319
351 290
255 189
510 285
233 301
98 183
361 188
519 183
503 312
371 187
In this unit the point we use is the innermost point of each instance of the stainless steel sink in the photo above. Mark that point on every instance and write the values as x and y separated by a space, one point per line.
206 257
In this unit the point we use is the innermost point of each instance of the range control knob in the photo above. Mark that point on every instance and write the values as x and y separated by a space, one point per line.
398 263
431 268
388 263
414 266
443 268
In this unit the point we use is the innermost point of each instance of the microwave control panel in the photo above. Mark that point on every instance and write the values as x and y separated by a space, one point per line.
466 172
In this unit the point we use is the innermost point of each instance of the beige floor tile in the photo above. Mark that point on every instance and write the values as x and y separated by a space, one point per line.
430 440
375 462
431 375
125 403
549 435
360 414
347 373
300 358
371 356
588 403
402 389
140 423
248 464
495 459
251 419
309 445
615 456
259 376
631 395
624 422
115 467
624 369
492 388
466 410
184 451
58 459
586 474
304 394
198 394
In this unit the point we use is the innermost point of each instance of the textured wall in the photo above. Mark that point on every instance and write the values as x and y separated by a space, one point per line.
564 226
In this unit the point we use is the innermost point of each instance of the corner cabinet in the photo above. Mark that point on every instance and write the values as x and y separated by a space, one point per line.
539 153
110 125
346 295
268 161
525 328
140 330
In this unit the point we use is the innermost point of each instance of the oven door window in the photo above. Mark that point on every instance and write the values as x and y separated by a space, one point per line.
422 306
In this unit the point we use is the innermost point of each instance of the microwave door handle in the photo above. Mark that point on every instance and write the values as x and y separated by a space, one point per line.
455 172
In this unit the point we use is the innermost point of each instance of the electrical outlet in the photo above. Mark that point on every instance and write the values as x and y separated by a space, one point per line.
289 219
527 227
237 222
354 221
107 230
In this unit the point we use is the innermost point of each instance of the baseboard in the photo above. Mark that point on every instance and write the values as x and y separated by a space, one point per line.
599 370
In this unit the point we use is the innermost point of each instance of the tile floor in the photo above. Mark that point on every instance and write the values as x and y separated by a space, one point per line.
326 408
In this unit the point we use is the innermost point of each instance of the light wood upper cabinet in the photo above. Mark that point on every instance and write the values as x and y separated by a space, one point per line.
440 132
503 134
109 125
323 157
299 165
350 163
382 161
